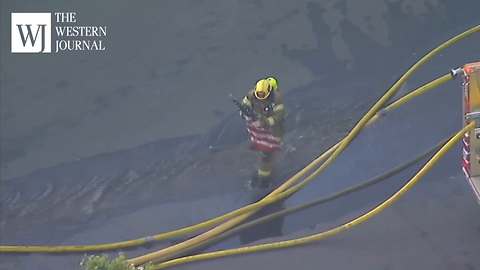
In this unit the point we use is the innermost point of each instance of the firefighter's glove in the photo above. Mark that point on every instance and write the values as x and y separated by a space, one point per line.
257 124
248 119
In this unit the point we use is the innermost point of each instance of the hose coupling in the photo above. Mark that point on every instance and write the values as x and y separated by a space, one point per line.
455 72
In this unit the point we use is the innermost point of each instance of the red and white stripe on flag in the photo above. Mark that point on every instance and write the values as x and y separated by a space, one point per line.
262 139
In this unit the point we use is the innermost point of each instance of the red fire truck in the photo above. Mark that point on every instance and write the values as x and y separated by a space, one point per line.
471 111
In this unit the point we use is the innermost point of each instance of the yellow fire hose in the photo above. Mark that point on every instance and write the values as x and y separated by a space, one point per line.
144 240
330 232
272 196
347 191
140 241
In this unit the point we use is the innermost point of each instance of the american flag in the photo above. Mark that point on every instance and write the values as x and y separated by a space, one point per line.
262 139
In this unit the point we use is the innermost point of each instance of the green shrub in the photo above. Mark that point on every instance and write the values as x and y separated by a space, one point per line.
103 263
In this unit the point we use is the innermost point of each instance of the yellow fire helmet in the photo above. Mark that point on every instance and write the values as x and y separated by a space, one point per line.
264 86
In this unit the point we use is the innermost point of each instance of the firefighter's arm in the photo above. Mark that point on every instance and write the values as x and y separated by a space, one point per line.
278 113
245 101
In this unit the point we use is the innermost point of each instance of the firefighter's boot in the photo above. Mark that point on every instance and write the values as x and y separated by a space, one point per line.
265 182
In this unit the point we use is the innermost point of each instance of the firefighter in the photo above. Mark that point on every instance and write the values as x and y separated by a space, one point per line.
266 101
